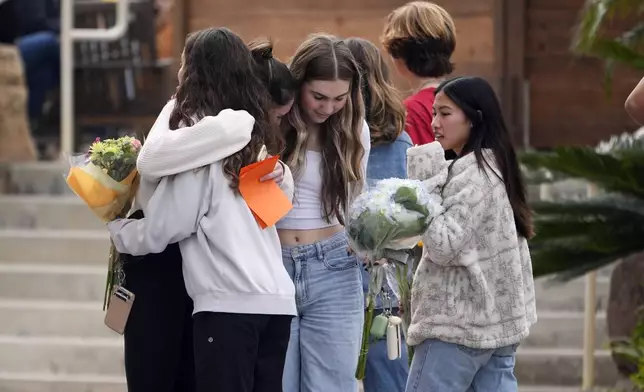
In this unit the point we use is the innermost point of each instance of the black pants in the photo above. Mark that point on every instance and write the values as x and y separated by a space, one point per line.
158 334
240 352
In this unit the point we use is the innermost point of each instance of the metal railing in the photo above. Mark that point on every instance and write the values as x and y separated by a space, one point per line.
590 308
69 35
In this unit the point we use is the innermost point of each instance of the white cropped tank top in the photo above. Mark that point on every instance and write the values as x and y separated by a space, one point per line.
307 212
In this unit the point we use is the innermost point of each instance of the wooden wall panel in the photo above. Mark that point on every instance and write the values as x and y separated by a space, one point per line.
568 104
288 22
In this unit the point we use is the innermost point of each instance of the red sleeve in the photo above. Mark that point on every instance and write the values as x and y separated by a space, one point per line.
418 123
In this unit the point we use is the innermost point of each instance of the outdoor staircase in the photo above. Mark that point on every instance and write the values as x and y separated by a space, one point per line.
53 255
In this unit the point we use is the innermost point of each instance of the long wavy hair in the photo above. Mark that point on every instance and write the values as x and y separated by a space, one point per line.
218 72
325 57
384 110
477 100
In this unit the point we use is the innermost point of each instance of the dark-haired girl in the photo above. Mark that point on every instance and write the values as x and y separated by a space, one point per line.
473 297
420 37
243 297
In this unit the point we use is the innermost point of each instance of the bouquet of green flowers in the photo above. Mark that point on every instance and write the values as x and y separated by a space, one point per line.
106 179
387 222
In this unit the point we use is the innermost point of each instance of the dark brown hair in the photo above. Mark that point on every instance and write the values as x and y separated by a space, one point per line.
325 57
274 73
220 73
384 110
476 98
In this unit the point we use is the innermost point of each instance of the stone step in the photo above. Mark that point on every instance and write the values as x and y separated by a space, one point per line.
570 296
46 212
53 318
52 282
46 317
70 355
35 178
558 366
565 330
62 355
48 382
80 247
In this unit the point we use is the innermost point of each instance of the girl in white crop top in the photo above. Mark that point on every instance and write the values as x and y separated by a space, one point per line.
327 145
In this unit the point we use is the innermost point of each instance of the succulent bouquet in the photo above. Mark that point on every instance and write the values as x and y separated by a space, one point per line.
106 179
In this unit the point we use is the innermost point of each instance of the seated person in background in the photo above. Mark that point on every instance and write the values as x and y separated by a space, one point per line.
34 27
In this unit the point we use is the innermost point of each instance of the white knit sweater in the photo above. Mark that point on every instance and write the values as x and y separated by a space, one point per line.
474 284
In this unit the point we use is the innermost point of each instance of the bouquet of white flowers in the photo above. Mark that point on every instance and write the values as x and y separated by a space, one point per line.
387 222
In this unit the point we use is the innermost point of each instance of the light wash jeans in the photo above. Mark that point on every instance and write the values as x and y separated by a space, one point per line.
326 335
448 367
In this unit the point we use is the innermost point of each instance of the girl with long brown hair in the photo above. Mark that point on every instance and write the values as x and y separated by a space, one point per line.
327 146
243 298
385 115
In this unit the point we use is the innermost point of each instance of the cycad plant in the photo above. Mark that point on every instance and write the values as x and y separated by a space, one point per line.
577 236
593 38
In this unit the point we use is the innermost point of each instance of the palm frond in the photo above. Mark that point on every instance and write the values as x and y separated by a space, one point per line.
595 14
576 237
621 171
589 40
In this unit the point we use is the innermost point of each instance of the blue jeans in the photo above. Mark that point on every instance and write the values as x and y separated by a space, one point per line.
41 57
326 335
448 367
383 374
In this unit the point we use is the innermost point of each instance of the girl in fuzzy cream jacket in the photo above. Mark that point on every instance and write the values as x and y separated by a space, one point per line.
473 297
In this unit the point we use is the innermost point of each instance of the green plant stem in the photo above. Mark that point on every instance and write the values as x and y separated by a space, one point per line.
364 348
114 259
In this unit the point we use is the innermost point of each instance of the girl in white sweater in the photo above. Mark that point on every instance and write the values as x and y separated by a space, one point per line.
473 294
243 297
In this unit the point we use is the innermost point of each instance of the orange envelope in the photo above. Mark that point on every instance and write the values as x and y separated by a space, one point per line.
265 199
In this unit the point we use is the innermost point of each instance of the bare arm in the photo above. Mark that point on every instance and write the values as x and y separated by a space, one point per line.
635 103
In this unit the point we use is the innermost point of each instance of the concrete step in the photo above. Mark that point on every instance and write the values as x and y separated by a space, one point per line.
570 296
565 330
82 247
34 178
53 318
70 317
557 191
48 382
22 281
558 366
62 355
46 212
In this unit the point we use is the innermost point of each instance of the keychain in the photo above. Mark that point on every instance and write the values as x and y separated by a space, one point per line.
381 321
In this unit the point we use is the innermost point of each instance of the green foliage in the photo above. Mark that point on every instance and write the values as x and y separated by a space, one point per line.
117 157
374 229
591 39
575 237
633 350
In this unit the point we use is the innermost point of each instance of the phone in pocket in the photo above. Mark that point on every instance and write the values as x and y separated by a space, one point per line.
119 309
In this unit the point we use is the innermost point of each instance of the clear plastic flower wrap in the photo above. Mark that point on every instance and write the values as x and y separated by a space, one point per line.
106 179
391 215
387 221
105 176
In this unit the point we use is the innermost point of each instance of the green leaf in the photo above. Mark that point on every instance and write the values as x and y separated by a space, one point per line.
598 168
576 237
590 40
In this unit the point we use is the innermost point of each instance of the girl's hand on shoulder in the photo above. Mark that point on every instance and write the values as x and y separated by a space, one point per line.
277 174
